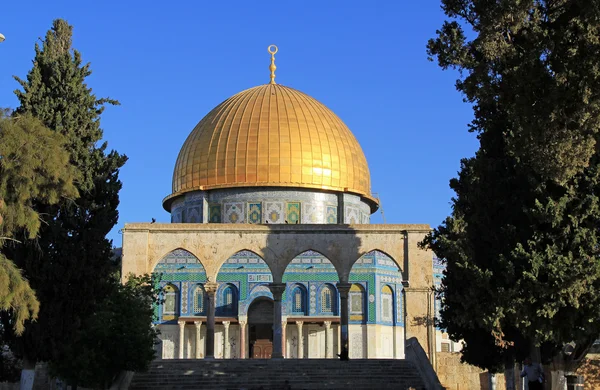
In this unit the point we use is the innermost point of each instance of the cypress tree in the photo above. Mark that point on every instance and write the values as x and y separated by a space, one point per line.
521 245
69 264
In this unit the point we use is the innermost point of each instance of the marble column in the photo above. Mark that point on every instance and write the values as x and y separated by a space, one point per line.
277 290
181 337
226 346
343 289
211 289
328 340
283 336
300 340
243 339
198 325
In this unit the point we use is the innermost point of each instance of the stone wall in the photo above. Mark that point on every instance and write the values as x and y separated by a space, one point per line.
455 375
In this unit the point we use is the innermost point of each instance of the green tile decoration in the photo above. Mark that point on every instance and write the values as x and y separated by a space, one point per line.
215 213
254 212
292 212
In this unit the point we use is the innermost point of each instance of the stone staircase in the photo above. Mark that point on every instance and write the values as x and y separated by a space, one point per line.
284 374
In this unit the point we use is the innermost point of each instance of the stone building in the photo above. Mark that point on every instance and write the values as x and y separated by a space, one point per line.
270 252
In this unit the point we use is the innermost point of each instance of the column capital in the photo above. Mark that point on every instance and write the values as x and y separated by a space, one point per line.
327 324
242 322
284 324
181 323
198 324
277 290
299 323
343 288
211 287
226 323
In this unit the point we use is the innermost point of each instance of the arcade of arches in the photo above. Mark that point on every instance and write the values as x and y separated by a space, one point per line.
285 291
270 250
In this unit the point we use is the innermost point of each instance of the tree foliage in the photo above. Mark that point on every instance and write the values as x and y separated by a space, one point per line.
33 167
69 264
521 244
116 337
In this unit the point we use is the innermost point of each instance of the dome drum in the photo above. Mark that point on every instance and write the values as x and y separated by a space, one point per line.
269 205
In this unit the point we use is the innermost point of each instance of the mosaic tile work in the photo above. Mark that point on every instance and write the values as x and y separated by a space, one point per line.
274 212
315 206
292 212
234 212
255 212
215 213
313 212
331 214
249 274
352 215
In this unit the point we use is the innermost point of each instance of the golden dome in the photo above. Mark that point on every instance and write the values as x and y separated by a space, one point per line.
271 136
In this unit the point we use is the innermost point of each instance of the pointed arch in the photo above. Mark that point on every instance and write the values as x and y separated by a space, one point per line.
310 262
378 258
179 261
244 260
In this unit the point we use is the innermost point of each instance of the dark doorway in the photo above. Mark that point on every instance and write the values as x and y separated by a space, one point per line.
260 327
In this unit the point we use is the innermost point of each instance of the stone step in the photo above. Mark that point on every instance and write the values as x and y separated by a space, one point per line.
279 374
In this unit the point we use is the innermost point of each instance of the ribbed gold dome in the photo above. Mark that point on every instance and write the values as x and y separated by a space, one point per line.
272 136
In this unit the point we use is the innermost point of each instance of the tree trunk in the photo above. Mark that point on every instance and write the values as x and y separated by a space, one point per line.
509 375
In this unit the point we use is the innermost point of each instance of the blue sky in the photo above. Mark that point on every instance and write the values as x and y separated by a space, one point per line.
170 63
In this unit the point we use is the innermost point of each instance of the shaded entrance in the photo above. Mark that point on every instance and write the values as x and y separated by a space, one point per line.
260 323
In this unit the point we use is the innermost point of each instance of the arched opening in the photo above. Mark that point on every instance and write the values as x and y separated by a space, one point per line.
356 301
298 300
328 300
198 297
260 328
170 306
387 304
227 301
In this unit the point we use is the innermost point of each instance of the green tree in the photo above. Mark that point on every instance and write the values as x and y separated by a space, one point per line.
117 336
69 264
33 166
521 245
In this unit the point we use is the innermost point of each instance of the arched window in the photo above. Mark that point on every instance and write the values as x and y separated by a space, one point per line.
170 306
356 298
198 300
298 300
387 304
229 300
327 299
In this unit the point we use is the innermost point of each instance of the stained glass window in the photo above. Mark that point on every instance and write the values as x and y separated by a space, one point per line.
356 296
327 299
198 300
298 300
170 304
228 299
387 304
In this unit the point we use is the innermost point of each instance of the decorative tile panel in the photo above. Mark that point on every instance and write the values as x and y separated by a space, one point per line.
215 213
255 212
234 212
274 212
292 212
331 214
352 215
312 212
